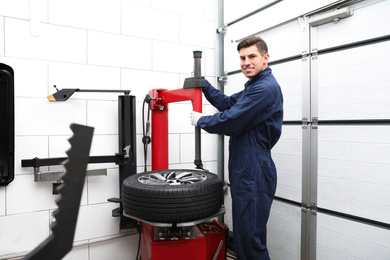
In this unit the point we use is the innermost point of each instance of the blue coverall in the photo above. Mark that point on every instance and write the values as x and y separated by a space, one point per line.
253 119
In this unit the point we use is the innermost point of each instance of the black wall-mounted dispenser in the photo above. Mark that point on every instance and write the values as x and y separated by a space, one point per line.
7 125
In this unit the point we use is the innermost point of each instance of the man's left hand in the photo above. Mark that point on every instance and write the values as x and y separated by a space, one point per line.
194 117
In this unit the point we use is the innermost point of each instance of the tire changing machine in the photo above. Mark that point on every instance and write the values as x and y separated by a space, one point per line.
200 239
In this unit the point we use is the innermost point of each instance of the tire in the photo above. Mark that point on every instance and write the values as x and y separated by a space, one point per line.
172 195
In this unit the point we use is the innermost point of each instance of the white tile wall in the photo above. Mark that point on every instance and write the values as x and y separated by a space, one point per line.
209 62
119 249
90 221
154 23
147 3
173 57
23 232
17 8
197 31
37 116
140 82
119 50
27 148
101 188
29 196
103 116
103 15
30 77
168 5
52 44
174 148
94 45
69 75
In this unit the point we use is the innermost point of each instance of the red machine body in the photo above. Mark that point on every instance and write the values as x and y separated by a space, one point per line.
159 107
204 246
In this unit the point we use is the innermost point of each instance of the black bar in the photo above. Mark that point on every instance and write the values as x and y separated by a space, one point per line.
355 122
354 218
355 44
284 60
291 202
292 122
254 12
104 91
38 162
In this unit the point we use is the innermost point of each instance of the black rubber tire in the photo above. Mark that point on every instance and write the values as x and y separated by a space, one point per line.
172 203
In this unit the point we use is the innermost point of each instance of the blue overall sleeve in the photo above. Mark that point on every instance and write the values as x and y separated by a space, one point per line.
239 112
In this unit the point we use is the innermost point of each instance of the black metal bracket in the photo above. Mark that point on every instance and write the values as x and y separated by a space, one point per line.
66 93
126 159
7 129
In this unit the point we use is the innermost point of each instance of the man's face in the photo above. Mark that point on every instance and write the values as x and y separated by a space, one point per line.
252 62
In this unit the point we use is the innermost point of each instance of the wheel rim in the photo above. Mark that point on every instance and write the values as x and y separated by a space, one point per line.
172 178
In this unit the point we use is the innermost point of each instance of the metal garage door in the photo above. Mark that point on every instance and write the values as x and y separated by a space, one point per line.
350 84
332 199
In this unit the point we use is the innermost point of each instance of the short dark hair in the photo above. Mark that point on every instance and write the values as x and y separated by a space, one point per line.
253 40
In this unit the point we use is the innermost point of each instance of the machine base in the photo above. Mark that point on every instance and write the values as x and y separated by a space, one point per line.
209 241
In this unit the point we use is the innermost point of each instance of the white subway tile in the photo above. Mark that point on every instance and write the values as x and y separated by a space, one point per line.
119 51
141 153
2 201
23 232
27 148
194 8
24 195
30 77
172 57
187 148
35 116
154 24
140 82
16 8
209 146
99 15
197 32
1 36
210 9
96 221
119 249
179 118
52 44
147 3
210 65
168 5
139 122
210 166
189 165
101 188
174 148
104 145
103 116
84 77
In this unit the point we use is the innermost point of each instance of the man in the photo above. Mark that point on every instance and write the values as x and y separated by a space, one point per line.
253 119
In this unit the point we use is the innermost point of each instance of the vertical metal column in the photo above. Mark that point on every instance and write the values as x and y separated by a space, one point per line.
220 61
127 145
310 145
313 142
198 141
306 146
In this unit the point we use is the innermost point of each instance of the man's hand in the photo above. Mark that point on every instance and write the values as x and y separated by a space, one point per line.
194 117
